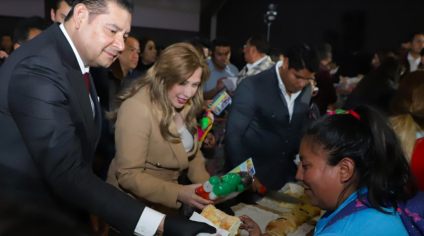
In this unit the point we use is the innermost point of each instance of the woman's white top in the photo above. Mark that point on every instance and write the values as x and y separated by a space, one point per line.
187 138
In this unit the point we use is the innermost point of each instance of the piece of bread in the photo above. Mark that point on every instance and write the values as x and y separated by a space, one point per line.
222 220
282 226
289 222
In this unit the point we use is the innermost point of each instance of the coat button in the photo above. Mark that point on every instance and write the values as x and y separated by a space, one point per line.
287 141
158 165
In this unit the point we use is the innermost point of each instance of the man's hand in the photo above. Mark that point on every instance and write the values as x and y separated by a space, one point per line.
256 185
3 55
220 85
174 226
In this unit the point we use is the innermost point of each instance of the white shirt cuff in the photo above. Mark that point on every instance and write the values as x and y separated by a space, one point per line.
149 222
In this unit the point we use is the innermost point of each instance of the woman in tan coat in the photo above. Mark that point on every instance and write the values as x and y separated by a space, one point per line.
156 132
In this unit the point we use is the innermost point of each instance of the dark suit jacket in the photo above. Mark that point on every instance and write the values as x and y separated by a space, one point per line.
258 126
48 134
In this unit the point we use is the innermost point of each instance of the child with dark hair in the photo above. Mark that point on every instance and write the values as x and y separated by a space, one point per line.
353 166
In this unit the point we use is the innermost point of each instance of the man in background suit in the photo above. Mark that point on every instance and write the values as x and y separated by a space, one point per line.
255 54
267 117
109 83
27 29
50 122
60 10
412 59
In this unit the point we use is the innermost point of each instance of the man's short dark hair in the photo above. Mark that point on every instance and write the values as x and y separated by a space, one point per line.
58 2
324 50
24 26
261 43
97 7
219 42
5 35
201 42
411 38
303 56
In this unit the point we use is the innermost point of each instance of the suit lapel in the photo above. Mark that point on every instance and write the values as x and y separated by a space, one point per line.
80 88
302 99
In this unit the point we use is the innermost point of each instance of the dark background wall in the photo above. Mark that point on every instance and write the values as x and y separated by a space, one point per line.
351 26
361 24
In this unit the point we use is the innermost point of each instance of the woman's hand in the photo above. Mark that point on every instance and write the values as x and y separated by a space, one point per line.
188 196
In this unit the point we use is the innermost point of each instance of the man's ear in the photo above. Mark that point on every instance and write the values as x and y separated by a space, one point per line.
286 63
80 14
347 169
52 15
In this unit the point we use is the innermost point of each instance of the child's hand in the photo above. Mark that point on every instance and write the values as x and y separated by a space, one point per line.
250 226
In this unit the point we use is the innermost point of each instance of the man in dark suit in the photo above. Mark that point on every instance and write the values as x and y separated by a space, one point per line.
50 121
412 59
267 116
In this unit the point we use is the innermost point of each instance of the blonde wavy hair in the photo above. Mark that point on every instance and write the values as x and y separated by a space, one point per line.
407 108
175 65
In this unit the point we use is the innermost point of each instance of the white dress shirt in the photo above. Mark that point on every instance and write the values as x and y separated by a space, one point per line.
150 219
289 99
80 62
413 63
250 66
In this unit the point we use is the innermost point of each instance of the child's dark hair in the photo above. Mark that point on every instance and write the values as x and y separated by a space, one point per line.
380 162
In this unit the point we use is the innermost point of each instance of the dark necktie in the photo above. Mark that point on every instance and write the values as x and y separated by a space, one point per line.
87 81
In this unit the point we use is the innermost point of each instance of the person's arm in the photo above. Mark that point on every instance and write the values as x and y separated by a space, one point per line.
41 109
212 93
240 116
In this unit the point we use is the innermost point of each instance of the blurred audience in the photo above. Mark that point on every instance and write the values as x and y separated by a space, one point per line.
61 10
326 94
377 88
407 110
27 29
412 59
148 54
6 44
380 56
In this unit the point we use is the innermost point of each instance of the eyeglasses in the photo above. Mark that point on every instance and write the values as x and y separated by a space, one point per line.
246 46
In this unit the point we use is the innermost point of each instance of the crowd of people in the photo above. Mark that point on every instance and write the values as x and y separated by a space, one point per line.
97 121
